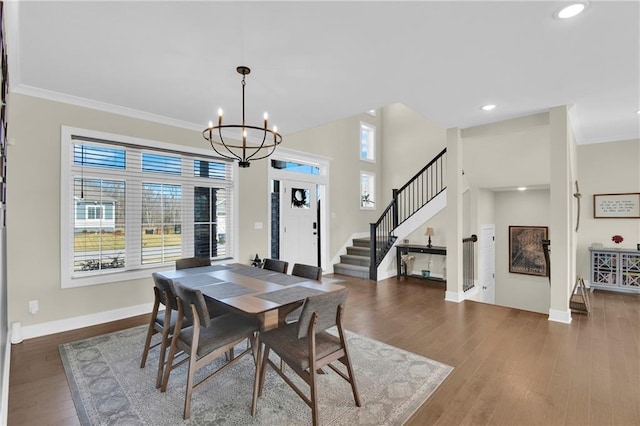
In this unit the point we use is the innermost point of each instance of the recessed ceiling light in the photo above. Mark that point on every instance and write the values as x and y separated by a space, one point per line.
488 107
570 10
522 188
638 111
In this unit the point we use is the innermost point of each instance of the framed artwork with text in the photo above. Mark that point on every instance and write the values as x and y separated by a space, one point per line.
526 254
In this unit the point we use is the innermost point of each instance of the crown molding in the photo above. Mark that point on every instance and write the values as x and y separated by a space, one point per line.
104 107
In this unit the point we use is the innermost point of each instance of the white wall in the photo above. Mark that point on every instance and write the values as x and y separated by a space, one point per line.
606 168
33 217
515 208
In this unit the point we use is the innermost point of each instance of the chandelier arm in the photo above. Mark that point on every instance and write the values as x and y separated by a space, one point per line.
273 149
221 154
212 143
257 149
225 145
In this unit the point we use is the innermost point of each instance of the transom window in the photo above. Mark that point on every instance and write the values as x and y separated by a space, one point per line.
138 204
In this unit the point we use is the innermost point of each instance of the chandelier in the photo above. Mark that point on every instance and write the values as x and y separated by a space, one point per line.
257 142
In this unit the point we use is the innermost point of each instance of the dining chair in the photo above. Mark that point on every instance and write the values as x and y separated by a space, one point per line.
192 262
306 347
207 339
307 271
276 265
162 322
303 271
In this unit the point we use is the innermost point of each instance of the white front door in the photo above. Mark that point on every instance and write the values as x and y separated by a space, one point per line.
299 222
488 262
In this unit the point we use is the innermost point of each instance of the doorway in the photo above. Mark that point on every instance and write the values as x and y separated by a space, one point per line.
298 208
488 263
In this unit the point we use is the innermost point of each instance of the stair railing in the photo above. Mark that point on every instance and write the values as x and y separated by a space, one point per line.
468 262
411 197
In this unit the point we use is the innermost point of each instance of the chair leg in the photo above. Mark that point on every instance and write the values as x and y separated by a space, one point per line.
263 368
352 377
314 395
161 357
190 379
147 342
169 366
257 354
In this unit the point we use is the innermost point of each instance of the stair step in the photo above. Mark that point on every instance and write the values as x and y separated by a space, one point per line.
351 270
361 242
358 251
355 260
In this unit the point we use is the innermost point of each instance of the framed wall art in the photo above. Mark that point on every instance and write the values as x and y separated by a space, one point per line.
526 254
625 205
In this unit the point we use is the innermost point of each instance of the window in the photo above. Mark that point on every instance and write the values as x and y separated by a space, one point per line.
129 205
367 190
367 142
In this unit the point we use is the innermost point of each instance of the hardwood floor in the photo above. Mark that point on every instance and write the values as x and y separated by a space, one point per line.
512 367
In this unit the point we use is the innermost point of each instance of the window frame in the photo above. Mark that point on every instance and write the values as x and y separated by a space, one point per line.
371 151
70 279
372 183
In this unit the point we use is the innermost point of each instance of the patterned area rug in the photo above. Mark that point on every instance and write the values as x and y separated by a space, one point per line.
109 387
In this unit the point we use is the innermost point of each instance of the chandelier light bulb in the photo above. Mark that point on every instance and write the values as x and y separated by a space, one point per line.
210 125
220 112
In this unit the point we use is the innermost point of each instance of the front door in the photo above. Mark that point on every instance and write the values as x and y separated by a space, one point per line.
299 222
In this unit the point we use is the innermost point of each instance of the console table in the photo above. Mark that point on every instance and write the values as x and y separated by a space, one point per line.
402 249
615 269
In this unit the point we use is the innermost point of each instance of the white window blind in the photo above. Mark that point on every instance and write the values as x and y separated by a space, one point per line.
129 207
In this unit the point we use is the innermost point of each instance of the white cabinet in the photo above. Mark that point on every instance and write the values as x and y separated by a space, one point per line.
615 269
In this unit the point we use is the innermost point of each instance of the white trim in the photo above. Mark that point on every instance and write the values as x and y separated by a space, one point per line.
560 316
73 323
453 296
371 142
105 107
4 405
67 223
323 179
372 184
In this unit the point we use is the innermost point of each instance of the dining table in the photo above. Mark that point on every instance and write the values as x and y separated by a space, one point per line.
260 293
264 294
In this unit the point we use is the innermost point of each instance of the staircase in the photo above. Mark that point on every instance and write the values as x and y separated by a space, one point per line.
357 260
365 256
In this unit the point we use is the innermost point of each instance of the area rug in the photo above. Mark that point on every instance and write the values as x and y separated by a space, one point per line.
109 387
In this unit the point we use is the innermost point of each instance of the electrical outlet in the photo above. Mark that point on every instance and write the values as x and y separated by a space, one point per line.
33 307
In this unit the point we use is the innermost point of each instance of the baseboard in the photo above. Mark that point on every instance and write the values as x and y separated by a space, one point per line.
452 296
4 408
560 316
37 330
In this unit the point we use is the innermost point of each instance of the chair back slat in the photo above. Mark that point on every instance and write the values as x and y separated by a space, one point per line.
165 287
326 306
276 265
307 271
192 262
189 296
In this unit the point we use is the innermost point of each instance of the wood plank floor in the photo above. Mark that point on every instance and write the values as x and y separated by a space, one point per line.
512 367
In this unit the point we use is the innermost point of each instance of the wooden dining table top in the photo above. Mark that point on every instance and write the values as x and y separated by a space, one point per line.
250 290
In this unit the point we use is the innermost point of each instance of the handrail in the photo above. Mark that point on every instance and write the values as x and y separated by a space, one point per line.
411 197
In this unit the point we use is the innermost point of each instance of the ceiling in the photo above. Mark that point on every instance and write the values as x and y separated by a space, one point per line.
315 62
